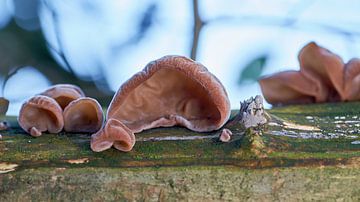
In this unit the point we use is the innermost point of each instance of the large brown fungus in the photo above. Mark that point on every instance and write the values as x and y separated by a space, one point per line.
172 90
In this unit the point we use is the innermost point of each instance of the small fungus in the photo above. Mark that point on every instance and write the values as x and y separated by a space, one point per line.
3 125
4 105
40 114
64 93
83 115
225 135
62 106
172 90
114 134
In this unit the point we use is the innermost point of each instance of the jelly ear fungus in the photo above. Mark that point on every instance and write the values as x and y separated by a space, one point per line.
172 90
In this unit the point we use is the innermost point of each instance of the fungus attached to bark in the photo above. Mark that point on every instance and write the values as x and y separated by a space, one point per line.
4 125
323 77
172 90
40 114
225 135
83 115
64 93
114 134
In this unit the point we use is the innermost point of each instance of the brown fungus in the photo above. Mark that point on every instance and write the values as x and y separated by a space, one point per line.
64 93
4 125
172 90
83 115
225 135
114 133
323 77
40 114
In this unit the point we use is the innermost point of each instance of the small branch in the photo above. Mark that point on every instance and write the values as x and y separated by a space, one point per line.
57 32
283 22
296 11
198 24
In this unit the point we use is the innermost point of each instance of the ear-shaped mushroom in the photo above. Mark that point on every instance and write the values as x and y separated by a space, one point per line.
172 90
289 87
83 115
64 93
40 114
352 80
114 134
321 78
324 69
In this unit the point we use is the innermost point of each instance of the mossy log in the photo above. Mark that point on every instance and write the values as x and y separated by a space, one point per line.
306 153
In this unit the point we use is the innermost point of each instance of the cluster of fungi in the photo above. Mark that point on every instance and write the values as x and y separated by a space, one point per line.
61 107
323 77
172 90
175 90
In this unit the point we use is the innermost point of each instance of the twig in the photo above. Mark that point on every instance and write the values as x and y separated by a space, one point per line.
57 32
296 10
282 21
198 25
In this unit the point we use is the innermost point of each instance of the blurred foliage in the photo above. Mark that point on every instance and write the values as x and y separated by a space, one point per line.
143 27
252 71
147 19
19 47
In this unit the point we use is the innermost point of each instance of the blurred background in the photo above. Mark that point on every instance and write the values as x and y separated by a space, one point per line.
99 44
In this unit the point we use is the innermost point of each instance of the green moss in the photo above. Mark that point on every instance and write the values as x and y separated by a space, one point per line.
56 149
327 109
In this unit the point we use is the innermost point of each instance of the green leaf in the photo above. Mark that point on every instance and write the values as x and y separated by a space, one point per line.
4 105
252 71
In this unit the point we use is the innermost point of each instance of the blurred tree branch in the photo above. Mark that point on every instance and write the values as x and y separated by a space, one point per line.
291 20
198 25
100 82
61 49
23 48
284 22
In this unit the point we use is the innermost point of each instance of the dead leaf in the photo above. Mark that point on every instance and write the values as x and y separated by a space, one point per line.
7 167
300 127
78 161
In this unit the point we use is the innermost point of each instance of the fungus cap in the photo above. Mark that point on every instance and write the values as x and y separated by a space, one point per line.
172 90
64 93
83 115
321 78
225 135
114 134
39 114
